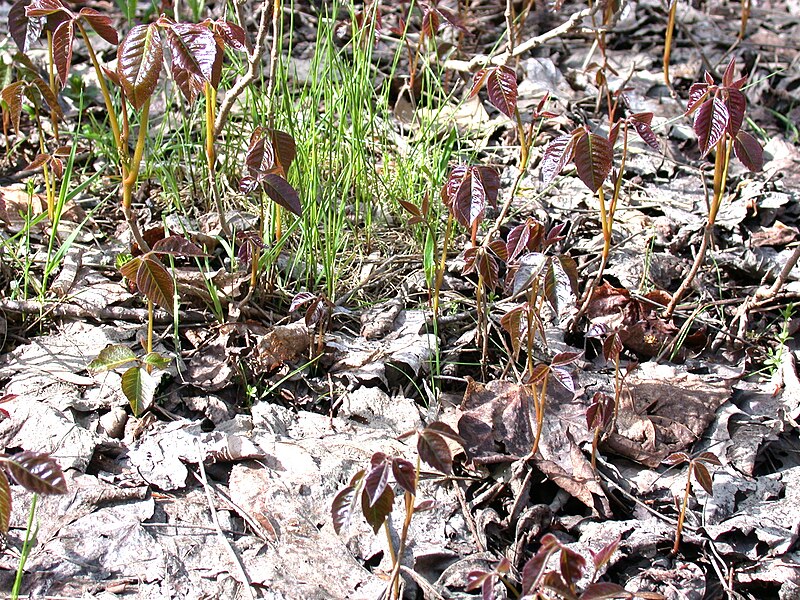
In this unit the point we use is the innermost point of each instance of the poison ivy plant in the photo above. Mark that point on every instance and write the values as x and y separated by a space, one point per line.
35 471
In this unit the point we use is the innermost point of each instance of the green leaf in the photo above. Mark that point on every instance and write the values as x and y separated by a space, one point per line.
139 388
5 503
139 60
37 472
156 360
111 357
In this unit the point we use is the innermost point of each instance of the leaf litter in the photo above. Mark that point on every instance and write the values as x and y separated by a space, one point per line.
136 521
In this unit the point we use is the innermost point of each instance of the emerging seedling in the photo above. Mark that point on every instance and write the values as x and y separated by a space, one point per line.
697 467
370 489
719 111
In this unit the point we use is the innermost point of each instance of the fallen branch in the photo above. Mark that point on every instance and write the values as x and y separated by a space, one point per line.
482 60
110 313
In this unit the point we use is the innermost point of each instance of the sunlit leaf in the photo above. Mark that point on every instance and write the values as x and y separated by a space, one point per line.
5 503
433 450
447 431
564 377
501 84
193 49
139 388
24 30
710 122
748 151
557 155
709 457
231 33
565 358
676 458
602 557
376 513
154 359
62 49
572 565
301 299
478 81
604 590
377 479
285 150
593 159
260 156
280 191
42 8
111 357
641 123
12 96
36 472
344 504
155 282
697 94
101 24
139 60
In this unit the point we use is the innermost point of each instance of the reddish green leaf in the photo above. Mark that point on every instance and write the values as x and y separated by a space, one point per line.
5 503
748 151
557 155
538 373
593 158
430 22
285 150
101 24
603 590
405 474
24 31
519 237
470 193
154 359
111 357
12 96
139 60
710 123
512 322
47 95
42 8
676 458
344 504
36 472
602 557
709 457
478 81
193 50
282 193
572 565
433 449
499 249
139 388
612 347
703 477
154 281
177 245
376 513
565 358
62 49
534 569
501 84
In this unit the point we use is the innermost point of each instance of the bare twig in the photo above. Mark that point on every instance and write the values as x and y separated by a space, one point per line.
253 64
483 60
110 313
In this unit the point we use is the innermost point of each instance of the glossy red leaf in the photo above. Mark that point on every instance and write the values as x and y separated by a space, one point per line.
260 156
697 95
281 192
12 96
62 49
676 458
730 72
498 247
598 415
736 104
377 512
193 49
36 162
139 60
478 81
231 33
301 299
565 358
101 24
405 474
564 377
603 556
518 238
501 84
709 457
345 502
641 123
612 347
430 22
36 472
47 95
593 158
557 155
710 122
433 450
748 151
477 188
377 479
24 30
285 150
703 477
512 322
